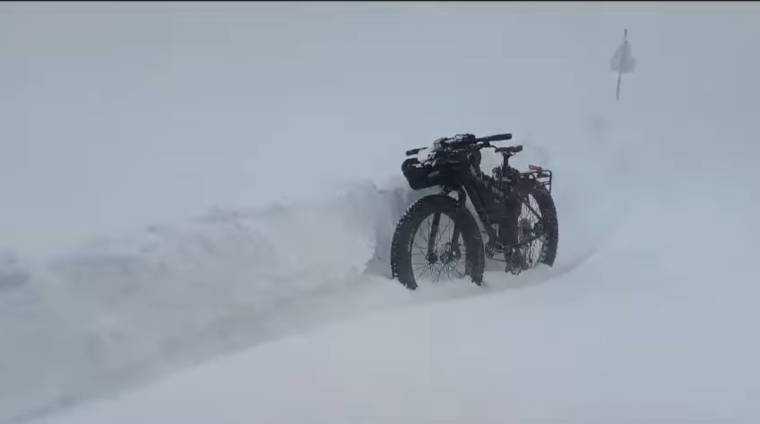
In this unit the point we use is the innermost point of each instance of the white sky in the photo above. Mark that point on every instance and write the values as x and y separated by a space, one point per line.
118 115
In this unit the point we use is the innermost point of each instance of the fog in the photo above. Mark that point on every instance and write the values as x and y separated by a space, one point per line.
185 180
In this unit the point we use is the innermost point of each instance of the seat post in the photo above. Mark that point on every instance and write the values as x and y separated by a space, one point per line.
505 162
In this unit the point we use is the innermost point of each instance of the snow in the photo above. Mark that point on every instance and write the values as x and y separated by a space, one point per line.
187 240
582 342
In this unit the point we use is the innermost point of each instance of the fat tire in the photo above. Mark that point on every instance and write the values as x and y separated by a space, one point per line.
406 228
549 217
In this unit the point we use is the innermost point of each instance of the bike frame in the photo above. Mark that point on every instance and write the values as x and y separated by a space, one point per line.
479 188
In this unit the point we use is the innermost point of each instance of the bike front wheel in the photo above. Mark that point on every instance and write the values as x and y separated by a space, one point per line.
436 240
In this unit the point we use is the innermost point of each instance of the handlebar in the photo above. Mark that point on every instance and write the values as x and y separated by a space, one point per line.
415 151
495 137
462 140
468 139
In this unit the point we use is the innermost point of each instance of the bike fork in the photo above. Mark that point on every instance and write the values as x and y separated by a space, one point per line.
454 245
433 235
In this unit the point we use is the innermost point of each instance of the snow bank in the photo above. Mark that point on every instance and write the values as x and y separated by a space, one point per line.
123 307
639 331
121 310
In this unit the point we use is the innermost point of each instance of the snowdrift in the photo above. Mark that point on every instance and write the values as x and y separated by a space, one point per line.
123 310
631 326
111 311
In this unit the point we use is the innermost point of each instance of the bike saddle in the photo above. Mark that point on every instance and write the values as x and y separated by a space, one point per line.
509 149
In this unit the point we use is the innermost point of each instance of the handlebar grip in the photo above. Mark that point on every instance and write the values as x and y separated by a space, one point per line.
497 137
415 151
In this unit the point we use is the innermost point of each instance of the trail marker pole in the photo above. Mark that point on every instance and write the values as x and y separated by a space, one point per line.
622 62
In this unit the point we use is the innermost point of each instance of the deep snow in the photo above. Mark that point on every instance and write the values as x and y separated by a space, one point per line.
291 142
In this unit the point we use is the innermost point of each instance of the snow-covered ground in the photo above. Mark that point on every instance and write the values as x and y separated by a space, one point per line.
274 305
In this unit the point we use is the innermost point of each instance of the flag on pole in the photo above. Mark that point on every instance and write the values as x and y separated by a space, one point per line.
622 61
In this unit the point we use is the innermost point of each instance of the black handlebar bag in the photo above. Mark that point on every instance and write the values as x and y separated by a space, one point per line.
422 176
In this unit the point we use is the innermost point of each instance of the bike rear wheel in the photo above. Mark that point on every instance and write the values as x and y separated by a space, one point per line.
535 229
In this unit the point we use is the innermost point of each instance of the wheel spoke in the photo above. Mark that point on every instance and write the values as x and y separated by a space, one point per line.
436 255
526 228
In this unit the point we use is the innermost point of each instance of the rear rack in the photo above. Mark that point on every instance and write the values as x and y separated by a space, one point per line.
543 176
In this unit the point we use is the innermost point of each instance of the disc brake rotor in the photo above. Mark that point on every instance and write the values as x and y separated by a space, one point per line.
444 261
